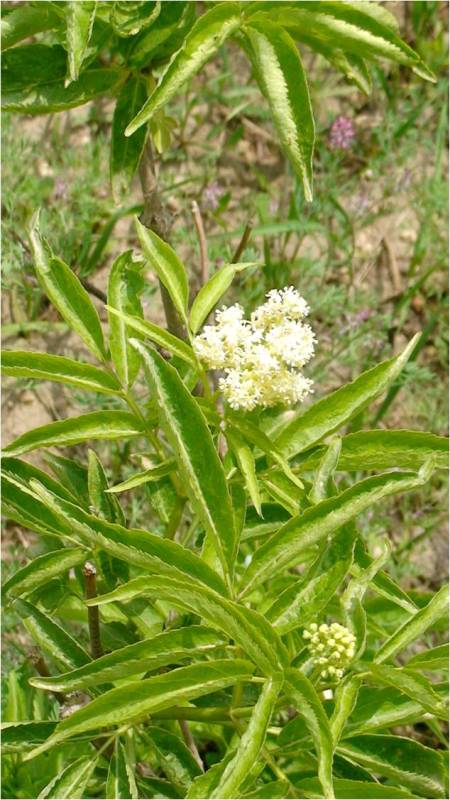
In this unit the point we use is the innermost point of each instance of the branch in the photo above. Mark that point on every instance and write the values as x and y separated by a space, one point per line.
90 578
198 221
189 742
243 243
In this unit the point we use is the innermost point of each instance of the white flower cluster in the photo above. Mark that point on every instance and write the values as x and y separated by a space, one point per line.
332 648
261 357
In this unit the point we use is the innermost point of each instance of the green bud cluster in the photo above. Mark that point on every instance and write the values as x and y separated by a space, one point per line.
332 648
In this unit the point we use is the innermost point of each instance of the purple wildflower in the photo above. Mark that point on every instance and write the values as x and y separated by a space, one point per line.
211 195
342 134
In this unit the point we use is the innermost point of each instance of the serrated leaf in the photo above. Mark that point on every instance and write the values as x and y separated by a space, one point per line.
71 781
125 151
431 659
34 75
345 698
414 686
148 475
168 267
174 758
25 21
23 472
142 548
203 40
314 524
246 627
100 502
124 287
279 71
308 705
323 484
271 790
18 737
46 367
346 789
414 627
246 463
96 425
210 294
43 569
53 639
137 700
414 766
80 15
21 505
67 294
204 477
129 18
158 335
384 449
336 409
165 648
120 782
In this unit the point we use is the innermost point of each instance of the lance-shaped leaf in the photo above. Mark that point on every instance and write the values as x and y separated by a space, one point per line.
71 781
379 709
45 367
212 291
308 705
127 19
42 569
388 449
346 789
80 16
201 467
168 647
279 71
102 504
126 151
142 548
63 433
158 335
415 686
251 742
147 476
25 21
18 737
120 782
65 291
135 701
345 699
168 267
246 627
22 472
124 287
414 766
53 639
202 41
414 627
173 757
285 547
431 659
336 409
23 506
246 463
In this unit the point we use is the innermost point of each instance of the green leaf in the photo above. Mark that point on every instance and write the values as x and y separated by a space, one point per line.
42 569
405 761
308 705
53 639
251 742
353 790
284 547
279 71
67 294
202 41
385 708
25 21
17 737
80 16
246 463
246 627
135 701
142 548
45 367
148 475
211 292
168 267
35 77
126 152
204 477
21 505
99 501
431 659
323 485
336 409
388 449
23 472
96 425
271 790
165 648
414 686
120 782
173 757
124 287
158 335
414 627
71 781
310 595
345 698
128 18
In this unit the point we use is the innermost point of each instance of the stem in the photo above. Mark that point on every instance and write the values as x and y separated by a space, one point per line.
200 228
90 577
243 243
190 743
41 667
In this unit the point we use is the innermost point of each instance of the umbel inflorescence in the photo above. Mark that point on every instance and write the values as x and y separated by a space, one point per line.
262 358
332 648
